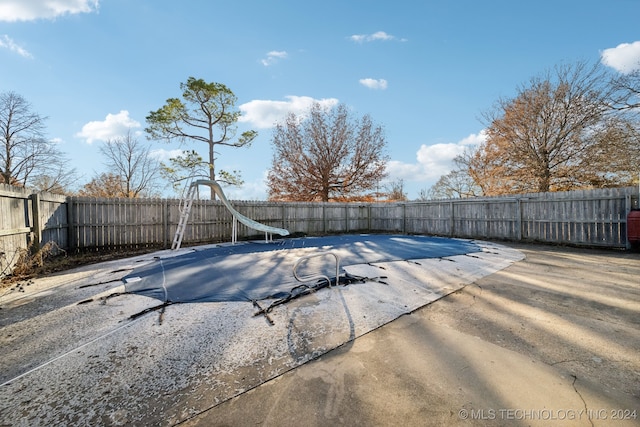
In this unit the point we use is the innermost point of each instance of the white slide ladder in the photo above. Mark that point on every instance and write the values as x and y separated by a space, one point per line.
185 210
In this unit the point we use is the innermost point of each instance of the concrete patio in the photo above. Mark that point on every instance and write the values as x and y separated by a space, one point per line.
511 335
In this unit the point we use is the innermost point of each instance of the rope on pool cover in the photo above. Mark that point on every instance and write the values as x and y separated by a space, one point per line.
301 290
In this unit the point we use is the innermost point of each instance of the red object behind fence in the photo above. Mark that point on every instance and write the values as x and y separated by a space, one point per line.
633 227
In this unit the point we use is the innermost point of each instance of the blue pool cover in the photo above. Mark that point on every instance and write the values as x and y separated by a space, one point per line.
251 271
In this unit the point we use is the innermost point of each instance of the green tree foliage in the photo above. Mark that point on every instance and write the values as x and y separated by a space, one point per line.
205 114
190 164
186 165
326 155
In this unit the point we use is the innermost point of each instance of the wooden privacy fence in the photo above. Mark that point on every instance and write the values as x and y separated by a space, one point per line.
29 219
589 218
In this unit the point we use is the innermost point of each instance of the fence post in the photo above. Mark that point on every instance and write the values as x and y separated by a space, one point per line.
36 227
284 224
75 224
452 220
627 208
70 233
487 216
519 219
324 217
404 218
165 223
346 216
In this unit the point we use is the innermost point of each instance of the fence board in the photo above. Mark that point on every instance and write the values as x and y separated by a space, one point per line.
15 225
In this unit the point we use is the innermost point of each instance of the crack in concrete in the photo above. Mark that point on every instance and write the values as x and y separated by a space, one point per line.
99 283
473 296
586 409
566 361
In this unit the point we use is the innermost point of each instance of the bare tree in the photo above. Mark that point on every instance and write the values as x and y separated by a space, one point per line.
626 95
60 181
26 156
130 160
326 156
395 191
626 130
614 160
456 184
423 195
205 114
551 136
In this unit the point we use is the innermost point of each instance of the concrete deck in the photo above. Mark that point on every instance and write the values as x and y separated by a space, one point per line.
551 339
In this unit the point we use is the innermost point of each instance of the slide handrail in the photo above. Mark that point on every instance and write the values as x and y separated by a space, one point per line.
255 225
316 276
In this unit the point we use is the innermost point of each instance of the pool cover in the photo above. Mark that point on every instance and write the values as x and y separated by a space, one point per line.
251 271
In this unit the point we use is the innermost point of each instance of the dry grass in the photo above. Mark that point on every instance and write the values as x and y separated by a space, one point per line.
30 261
50 258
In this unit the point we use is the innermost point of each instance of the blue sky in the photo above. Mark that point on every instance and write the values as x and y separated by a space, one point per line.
425 70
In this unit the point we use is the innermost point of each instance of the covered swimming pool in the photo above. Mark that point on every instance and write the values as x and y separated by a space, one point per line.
251 271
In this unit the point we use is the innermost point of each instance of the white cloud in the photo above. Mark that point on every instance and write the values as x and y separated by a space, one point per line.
7 43
30 10
624 58
264 113
113 126
273 57
163 155
250 190
433 161
374 83
474 138
378 35
407 171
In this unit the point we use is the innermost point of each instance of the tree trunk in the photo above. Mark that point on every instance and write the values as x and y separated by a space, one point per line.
212 169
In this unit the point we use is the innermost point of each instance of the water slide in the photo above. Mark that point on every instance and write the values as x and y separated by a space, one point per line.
255 225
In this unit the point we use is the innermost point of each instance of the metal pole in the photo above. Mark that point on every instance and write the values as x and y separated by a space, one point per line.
234 230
